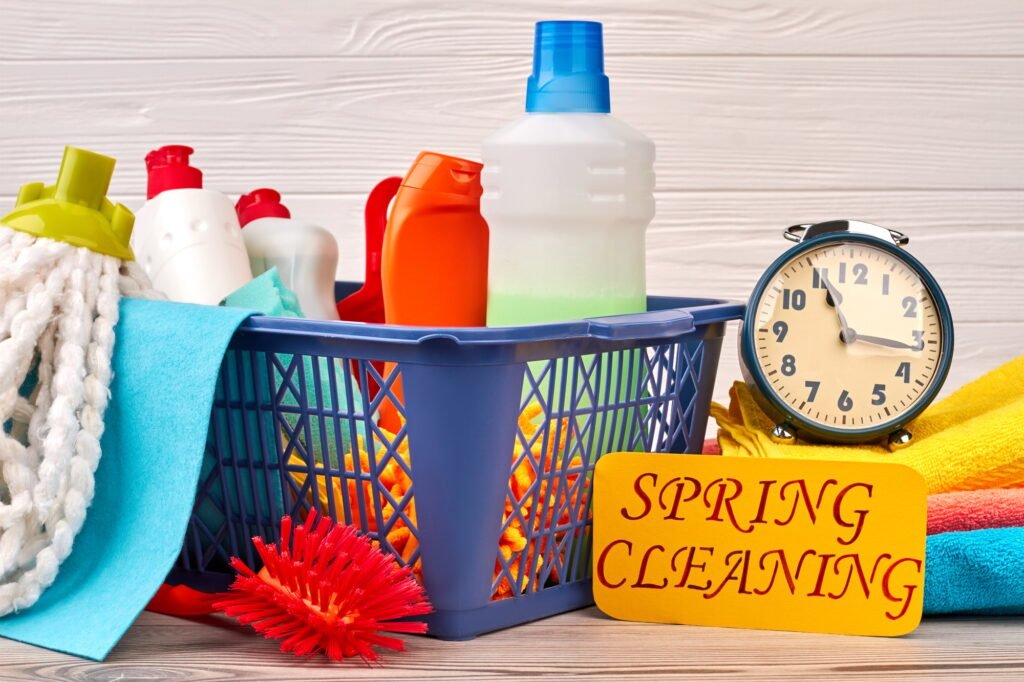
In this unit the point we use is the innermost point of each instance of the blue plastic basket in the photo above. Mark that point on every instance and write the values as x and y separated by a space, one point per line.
491 508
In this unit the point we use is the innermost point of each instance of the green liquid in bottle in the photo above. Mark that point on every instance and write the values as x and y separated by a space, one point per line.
507 309
616 380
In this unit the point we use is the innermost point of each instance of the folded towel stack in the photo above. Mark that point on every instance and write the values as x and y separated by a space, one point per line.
970 450
972 440
975 554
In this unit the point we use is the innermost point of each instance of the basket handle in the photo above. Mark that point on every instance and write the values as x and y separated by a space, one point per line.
657 324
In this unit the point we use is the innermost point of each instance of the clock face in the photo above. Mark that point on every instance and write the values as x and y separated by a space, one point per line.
848 337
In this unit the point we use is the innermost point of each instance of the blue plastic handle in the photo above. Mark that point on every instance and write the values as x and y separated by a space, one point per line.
657 324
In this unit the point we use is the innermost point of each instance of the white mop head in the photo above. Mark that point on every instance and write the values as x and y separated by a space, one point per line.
58 309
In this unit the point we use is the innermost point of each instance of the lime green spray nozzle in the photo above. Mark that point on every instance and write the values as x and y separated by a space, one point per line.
76 209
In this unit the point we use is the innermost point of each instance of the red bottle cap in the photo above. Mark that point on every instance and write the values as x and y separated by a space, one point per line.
260 203
168 169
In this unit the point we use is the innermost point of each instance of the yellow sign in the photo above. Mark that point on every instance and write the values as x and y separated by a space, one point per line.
760 543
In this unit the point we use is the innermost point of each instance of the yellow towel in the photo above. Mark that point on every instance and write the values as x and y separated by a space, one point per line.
972 440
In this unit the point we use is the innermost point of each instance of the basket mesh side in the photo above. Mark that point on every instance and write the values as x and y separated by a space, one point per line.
282 437
575 410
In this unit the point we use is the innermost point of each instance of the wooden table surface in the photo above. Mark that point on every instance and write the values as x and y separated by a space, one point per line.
584 643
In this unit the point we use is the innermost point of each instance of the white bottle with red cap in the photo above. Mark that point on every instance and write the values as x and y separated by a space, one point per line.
187 238
305 255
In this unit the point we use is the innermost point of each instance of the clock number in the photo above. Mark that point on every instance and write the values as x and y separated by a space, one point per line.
918 340
885 284
878 394
819 277
845 401
814 386
860 274
909 307
842 273
780 329
903 371
797 299
788 365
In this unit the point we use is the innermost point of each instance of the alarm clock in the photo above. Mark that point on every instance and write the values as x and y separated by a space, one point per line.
847 337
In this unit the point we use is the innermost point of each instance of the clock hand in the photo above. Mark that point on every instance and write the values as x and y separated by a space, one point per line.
845 333
888 343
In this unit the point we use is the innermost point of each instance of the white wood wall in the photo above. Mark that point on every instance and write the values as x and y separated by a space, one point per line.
908 113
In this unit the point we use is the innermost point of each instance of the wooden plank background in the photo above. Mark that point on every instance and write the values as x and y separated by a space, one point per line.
765 113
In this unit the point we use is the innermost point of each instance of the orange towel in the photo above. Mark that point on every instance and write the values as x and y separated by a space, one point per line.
975 510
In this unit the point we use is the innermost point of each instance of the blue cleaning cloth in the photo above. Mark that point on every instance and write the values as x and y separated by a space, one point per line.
166 360
975 571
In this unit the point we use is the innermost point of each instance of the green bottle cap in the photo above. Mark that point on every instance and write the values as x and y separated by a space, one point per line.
76 209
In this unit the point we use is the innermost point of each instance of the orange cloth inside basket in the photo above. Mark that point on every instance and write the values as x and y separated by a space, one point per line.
543 500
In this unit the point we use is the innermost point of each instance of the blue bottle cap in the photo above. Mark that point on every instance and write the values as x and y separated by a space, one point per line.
568 69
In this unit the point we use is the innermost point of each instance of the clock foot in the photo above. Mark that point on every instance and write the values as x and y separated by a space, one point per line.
899 439
783 434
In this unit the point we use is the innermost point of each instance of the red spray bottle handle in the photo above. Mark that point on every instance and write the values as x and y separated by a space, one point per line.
375 217
367 304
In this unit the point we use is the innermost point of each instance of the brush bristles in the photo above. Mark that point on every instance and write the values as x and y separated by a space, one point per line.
327 589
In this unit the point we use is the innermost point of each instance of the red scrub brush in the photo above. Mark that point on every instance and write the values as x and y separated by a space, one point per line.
326 589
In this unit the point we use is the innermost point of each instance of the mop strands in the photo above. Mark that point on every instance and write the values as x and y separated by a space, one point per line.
65 263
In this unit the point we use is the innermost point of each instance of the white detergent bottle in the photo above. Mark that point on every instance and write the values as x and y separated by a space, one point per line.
187 238
568 192
305 255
